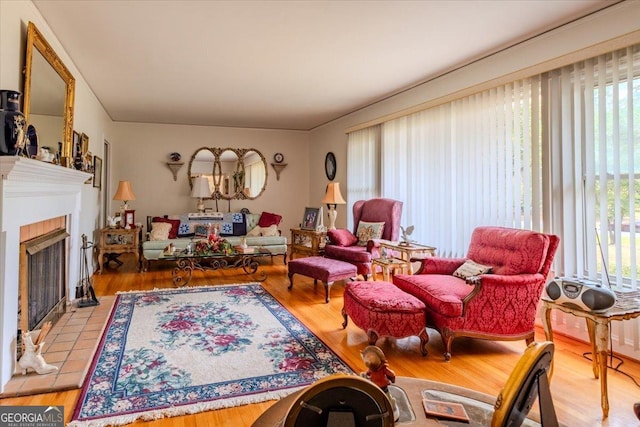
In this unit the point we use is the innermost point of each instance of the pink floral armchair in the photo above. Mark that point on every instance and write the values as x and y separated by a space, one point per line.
343 243
498 305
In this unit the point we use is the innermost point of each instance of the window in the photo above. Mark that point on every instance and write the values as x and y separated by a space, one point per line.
557 152
594 142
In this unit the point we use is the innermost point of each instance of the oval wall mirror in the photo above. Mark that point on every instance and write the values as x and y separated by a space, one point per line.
255 174
230 173
234 173
202 163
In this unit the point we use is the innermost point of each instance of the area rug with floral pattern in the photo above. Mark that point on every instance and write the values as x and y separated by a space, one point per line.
182 351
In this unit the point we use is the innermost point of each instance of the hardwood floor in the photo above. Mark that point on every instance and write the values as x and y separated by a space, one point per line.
476 364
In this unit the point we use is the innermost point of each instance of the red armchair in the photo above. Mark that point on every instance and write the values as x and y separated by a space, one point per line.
499 305
343 244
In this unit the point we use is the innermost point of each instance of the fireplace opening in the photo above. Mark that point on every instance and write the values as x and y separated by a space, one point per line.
42 295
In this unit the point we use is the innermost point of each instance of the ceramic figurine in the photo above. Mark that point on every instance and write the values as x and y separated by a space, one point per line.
12 124
406 232
379 373
32 357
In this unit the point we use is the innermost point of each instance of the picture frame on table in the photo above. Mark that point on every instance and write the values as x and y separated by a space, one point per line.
310 218
129 219
97 172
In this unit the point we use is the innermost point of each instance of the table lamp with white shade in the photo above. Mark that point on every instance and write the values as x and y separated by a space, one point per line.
201 190
333 198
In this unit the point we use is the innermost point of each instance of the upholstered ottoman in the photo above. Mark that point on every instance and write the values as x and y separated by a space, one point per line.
382 309
324 269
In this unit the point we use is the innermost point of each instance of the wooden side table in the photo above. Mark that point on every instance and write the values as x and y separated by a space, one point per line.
389 267
119 241
598 325
406 252
307 242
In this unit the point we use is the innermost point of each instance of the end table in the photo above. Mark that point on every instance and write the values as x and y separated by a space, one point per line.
117 241
307 242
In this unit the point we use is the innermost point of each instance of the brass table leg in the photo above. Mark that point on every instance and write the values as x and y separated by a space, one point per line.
602 346
591 328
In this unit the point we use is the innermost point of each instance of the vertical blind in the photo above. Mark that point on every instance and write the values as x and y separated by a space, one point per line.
466 163
363 171
558 152
594 139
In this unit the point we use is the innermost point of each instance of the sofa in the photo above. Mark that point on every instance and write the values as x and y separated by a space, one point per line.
258 230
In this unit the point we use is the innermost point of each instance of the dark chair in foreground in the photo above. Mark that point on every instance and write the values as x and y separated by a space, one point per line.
354 401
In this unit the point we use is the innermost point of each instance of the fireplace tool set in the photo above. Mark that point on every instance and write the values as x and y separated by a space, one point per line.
84 289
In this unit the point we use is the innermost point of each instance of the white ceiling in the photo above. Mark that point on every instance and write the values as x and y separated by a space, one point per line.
281 64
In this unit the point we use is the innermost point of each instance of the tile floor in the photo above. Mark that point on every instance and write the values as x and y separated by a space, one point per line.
70 345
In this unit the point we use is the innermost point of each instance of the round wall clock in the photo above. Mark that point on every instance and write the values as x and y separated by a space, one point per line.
330 166
278 158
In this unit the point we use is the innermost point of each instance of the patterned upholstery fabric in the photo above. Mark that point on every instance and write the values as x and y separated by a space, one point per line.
504 305
382 309
384 210
320 268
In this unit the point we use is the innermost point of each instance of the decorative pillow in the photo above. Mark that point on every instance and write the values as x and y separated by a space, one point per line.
202 230
270 231
252 220
175 225
267 219
471 268
342 237
255 231
369 231
160 231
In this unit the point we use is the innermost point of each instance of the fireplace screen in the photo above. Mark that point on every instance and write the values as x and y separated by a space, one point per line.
45 279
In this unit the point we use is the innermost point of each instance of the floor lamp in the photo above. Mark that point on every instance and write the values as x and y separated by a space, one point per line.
333 198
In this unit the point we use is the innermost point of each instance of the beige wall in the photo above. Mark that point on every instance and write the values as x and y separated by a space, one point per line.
140 153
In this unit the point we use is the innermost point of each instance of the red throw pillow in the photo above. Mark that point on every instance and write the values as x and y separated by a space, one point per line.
268 219
175 225
342 237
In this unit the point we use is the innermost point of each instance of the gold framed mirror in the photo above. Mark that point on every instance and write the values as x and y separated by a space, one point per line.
49 91
234 173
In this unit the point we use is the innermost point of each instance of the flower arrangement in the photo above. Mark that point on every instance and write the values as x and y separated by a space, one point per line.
213 245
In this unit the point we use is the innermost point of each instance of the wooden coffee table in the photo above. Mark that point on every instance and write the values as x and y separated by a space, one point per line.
186 263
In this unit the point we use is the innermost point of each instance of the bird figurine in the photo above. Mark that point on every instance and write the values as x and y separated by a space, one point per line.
406 232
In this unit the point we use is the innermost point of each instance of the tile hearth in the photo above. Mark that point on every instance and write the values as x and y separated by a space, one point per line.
70 345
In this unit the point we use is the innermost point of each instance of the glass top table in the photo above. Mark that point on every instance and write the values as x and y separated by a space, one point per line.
187 262
406 251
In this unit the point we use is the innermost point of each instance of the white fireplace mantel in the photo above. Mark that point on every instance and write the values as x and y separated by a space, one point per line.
32 191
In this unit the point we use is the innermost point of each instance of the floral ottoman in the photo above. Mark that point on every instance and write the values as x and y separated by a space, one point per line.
382 309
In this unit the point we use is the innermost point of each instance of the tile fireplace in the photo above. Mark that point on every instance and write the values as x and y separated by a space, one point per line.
32 192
